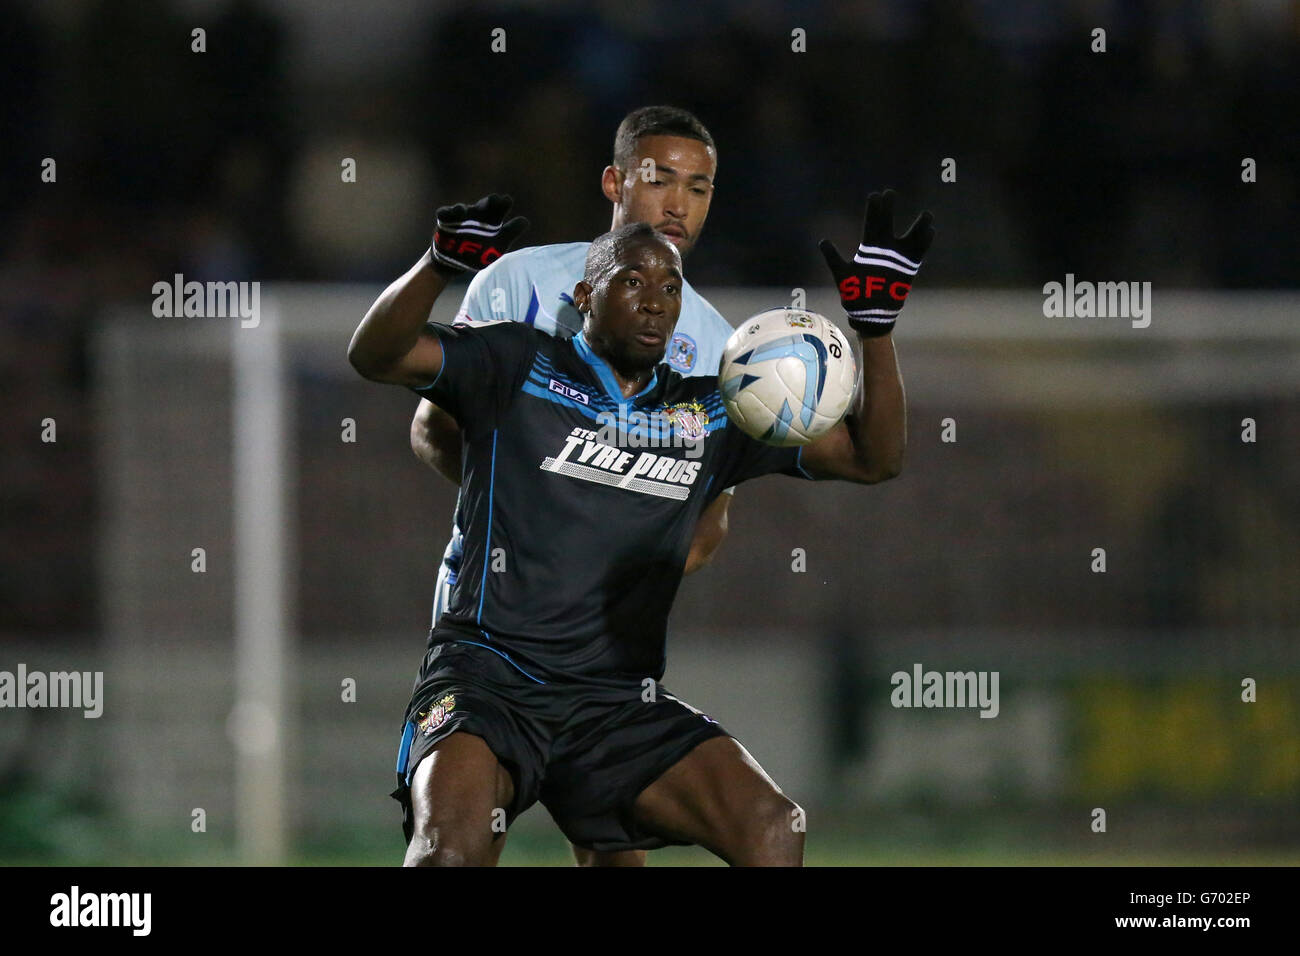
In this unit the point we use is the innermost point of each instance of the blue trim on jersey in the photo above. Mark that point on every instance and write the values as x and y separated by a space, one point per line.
487 548
533 302
441 368
532 388
503 656
798 463
606 374
544 368
661 431
543 372
542 376
404 748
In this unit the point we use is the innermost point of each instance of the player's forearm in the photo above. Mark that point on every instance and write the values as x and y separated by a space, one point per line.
878 422
873 288
436 440
391 328
710 531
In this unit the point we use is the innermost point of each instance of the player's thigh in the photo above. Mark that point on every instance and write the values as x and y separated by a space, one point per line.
716 796
587 857
458 793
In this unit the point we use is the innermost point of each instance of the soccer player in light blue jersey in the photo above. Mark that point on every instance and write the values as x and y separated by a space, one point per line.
662 173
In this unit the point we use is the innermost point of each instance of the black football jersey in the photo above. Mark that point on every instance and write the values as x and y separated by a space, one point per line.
578 505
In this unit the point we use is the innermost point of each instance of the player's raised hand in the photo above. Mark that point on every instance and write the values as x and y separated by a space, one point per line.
468 238
874 286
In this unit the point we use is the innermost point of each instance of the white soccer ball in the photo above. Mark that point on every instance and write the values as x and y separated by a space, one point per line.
787 376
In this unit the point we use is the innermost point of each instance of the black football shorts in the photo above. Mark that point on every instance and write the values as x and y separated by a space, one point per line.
584 751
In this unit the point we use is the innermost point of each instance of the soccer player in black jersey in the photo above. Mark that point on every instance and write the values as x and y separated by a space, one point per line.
535 286
540 681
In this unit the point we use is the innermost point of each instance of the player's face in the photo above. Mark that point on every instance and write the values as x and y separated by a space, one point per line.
675 200
633 308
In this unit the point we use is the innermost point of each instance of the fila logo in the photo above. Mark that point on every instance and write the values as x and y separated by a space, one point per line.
560 388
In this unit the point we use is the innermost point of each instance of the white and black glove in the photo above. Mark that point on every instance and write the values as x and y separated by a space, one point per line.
874 286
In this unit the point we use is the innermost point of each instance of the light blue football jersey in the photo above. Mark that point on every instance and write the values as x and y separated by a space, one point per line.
535 285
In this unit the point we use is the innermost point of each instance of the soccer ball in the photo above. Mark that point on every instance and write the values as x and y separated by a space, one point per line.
787 376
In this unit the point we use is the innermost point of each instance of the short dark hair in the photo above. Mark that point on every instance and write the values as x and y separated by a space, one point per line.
655 121
604 250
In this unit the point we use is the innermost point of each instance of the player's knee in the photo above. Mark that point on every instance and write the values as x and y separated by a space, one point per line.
585 857
439 851
775 824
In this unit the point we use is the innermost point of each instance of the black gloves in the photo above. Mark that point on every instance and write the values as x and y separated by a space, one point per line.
468 238
874 286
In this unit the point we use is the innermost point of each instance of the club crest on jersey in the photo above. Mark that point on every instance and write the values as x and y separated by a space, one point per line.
577 395
437 715
682 352
689 418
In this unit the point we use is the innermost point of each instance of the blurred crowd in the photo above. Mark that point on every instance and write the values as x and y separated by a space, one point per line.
225 165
